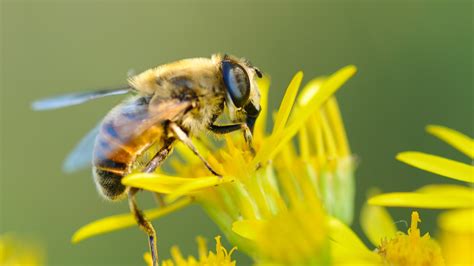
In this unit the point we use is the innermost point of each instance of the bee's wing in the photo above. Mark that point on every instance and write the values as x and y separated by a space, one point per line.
137 119
135 123
75 98
81 156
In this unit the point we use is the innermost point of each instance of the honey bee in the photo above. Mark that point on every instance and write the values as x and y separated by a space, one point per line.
169 103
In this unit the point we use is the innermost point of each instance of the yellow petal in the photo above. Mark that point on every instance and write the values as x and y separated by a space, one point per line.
276 142
186 153
438 165
445 190
377 224
202 145
328 88
202 247
156 182
260 125
248 228
341 233
335 118
309 90
287 102
196 185
116 222
454 138
148 259
458 221
422 200
345 256
457 236
346 245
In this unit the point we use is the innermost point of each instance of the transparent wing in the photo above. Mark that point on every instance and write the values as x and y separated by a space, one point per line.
81 156
75 98
133 124
127 124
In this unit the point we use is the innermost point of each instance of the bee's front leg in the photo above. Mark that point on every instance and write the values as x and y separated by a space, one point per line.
224 129
182 136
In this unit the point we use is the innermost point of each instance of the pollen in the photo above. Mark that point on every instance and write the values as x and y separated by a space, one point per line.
206 257
411 249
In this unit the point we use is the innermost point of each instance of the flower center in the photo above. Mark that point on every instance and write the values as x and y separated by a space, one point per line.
412 249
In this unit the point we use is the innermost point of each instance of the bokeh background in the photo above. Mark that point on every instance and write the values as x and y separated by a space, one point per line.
415 68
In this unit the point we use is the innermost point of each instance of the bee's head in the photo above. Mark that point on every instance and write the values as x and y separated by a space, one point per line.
243 96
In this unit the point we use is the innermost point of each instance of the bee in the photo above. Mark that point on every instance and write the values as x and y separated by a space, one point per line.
169 103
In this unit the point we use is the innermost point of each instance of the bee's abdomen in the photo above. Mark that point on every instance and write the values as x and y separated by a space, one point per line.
117 145
109 183
112 159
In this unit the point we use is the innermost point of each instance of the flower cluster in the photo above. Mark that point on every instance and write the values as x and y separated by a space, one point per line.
289 201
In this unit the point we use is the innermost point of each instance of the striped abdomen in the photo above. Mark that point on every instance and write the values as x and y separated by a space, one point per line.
123 136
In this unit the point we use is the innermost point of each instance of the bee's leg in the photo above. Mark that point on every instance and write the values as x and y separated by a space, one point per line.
160 156
159 199
248 137
224 129
155 162
182 136
144 224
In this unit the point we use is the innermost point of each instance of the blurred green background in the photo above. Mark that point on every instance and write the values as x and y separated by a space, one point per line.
415 67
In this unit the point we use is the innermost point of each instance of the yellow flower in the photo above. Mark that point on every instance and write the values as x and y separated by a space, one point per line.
279 187
392 247
221 257
14 251
121 221
457 226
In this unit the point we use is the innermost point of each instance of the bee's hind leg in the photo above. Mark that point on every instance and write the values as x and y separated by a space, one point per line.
144 224
182 136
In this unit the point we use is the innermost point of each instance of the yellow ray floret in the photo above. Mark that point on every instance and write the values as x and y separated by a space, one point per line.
260 125
346 246
438 165
443 197
457 221
457 236
159 183
454 138
121 221
371 215
287 103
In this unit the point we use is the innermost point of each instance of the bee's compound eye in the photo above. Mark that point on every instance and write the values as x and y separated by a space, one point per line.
237 82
